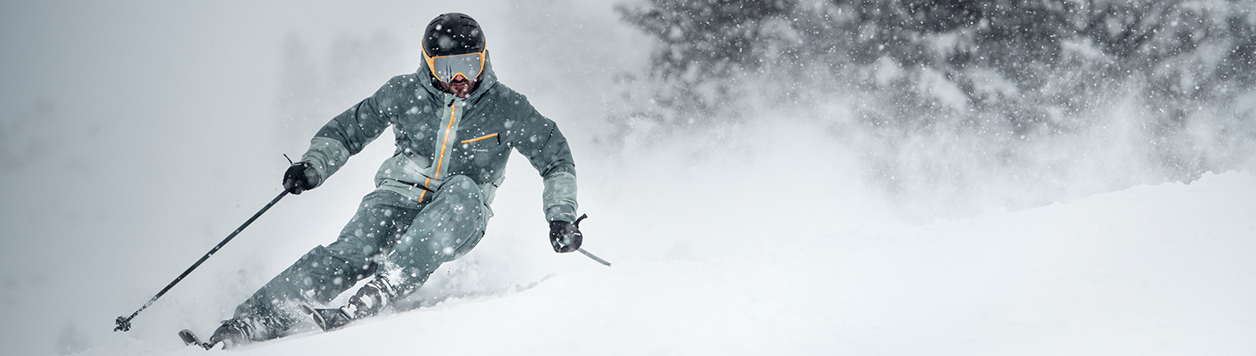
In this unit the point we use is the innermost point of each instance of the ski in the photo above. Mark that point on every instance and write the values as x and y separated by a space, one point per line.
327 319
190 339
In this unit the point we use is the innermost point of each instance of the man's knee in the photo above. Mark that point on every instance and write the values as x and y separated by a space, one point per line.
322 265
461 196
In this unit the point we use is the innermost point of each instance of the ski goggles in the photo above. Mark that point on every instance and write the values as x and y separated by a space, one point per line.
445 68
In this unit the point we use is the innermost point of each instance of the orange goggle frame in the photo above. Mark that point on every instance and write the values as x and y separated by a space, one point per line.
445 68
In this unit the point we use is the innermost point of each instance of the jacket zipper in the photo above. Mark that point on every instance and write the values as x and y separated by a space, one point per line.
440 159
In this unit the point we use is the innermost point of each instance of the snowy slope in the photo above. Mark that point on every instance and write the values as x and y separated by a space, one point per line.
137 134
1151 270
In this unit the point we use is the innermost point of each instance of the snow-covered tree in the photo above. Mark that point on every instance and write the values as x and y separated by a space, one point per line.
1004 69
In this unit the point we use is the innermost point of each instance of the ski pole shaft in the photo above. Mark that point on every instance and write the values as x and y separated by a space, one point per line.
595 258
583 251
124 323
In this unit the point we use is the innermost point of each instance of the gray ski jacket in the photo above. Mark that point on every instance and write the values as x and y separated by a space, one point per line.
439 135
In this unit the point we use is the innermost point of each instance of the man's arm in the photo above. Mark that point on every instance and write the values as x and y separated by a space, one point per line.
348 133
552 158
547 150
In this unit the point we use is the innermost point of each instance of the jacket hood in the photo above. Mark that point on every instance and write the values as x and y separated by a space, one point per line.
487 79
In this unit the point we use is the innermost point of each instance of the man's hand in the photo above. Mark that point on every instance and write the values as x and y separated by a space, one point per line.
565 236
300 177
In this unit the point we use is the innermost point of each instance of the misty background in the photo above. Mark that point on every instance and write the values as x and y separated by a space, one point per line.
136 135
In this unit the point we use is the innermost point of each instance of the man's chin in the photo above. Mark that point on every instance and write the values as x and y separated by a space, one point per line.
460 89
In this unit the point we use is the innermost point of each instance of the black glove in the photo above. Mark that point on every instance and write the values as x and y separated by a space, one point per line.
300 177
565 236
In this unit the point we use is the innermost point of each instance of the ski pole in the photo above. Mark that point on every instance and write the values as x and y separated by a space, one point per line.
595 258
582 250
124 323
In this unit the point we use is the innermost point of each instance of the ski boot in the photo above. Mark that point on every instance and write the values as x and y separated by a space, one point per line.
368 301
372 298
233 332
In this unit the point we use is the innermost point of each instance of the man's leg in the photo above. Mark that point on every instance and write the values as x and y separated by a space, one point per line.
447 228
325 272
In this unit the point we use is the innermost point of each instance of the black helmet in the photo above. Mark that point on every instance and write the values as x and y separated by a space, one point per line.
452 33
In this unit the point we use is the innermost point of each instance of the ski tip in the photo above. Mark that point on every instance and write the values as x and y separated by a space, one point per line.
189 339
314 315
327 319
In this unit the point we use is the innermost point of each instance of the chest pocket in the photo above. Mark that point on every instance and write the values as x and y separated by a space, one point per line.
481 144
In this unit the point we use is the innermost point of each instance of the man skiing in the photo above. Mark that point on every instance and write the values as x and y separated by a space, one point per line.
455 125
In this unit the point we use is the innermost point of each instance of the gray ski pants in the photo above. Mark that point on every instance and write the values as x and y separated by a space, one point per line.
391 234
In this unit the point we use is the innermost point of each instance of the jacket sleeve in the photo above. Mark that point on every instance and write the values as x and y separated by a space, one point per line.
546 148
347 133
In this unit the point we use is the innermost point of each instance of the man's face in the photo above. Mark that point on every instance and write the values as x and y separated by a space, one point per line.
460 86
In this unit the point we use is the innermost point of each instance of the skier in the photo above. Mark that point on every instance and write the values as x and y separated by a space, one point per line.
455 125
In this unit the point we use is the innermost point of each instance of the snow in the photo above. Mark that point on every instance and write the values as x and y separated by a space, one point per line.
1151 270
137 136
934 85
